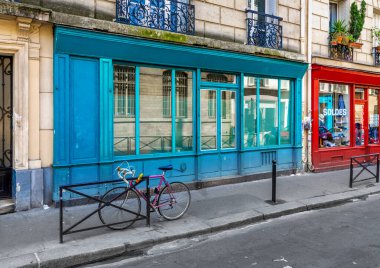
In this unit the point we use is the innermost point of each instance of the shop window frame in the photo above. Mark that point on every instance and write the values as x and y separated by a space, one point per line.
173 151
219 87
292 105
353 100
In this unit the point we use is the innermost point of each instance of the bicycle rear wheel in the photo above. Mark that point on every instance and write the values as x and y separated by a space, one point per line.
174 200
124 198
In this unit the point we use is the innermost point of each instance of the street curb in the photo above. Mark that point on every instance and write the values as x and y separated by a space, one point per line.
69 254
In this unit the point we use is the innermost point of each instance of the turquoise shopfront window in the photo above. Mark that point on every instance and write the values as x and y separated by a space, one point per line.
160 125
267 112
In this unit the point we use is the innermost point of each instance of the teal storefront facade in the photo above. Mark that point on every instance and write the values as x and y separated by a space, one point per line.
209 113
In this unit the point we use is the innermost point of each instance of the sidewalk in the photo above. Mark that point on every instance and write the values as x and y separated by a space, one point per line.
31 238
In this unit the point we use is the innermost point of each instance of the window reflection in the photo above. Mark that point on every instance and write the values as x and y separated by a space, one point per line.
334 115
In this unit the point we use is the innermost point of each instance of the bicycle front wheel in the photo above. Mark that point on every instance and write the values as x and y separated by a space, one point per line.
174 200
122 208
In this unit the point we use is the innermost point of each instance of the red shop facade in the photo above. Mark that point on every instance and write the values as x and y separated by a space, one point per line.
345 111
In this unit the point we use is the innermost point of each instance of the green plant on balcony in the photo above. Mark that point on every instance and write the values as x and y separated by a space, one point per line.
357 18
338 33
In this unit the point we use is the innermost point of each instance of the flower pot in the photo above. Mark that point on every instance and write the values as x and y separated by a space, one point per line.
377 49
356 45
339 39
334 43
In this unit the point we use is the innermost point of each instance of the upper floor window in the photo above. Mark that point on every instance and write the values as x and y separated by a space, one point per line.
333 14
263 6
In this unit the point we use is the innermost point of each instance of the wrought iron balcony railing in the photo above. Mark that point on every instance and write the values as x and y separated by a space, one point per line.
264 30
168 15
376 56
341 52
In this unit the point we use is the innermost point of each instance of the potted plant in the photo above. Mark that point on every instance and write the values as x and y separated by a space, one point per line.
356 24
338 34
376 37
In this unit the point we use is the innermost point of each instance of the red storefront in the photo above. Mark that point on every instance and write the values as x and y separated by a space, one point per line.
345 111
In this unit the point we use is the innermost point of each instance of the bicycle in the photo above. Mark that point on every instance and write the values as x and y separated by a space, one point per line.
171 200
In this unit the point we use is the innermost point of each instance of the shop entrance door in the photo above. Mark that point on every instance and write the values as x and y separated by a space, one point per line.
6 79
361 117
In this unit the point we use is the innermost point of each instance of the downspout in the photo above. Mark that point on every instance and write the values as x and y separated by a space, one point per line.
309 15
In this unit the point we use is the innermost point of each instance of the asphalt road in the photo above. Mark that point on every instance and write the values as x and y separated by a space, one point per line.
344 236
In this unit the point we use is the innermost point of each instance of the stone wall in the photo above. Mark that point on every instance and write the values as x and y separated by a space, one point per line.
320 31
218 19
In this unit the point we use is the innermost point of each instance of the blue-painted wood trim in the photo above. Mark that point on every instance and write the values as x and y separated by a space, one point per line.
220 85
298 113
279 112
137 110
106 110
293 111
198 111
194 110
241 111
96 44
61 109
257 112
174 90
218 119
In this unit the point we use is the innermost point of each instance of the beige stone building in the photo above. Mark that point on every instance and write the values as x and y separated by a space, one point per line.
343 81
66 131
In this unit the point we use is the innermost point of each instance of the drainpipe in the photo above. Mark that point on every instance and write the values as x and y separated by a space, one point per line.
309 15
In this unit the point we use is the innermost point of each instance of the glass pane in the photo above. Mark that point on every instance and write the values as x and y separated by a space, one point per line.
268 111
334 115
285 112
184 111
359 93
228 119
359 124
373 111
333 14
155 126
218 77
208 124
124 110
250 131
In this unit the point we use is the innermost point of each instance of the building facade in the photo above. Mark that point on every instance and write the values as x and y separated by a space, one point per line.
344 87
212 87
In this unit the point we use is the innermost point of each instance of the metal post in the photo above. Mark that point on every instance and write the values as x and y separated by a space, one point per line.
60 216
377 168
274 181
351 173
147 202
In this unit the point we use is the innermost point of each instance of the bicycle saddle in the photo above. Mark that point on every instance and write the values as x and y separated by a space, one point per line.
166 168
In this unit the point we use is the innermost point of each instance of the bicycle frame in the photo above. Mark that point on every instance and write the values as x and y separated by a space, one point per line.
124 172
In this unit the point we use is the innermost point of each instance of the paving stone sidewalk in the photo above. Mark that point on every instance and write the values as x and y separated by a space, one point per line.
31 238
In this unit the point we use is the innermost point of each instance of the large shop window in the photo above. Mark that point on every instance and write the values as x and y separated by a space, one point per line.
267 112
124 110
373 111
334 115
218 112
157 123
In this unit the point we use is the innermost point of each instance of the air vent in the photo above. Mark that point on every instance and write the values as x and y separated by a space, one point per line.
267 157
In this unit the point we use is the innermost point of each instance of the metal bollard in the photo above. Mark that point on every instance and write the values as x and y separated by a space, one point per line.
274 177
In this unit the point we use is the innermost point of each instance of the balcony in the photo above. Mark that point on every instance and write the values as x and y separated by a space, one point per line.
376 56
341 52
173 16
264 30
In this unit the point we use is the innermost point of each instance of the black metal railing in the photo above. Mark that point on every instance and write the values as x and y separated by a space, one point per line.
172 15
364 162
341 52
264 30
79 191
376 56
